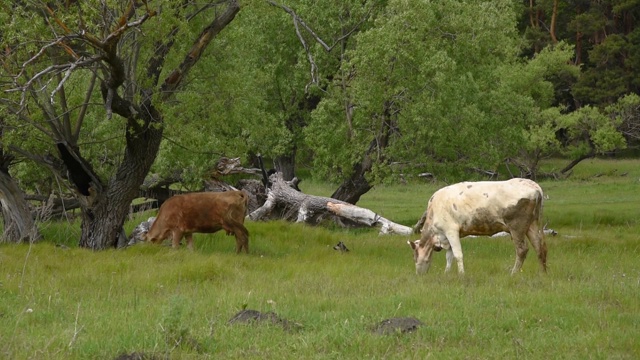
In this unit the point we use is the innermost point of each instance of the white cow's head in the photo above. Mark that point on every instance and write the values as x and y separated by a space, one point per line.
422 252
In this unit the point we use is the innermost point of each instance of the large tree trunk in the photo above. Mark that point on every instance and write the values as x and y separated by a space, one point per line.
105 212
554 18
18 222
285 164
357 185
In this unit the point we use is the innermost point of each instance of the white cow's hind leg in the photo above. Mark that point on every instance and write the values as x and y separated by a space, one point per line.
521 250
536 237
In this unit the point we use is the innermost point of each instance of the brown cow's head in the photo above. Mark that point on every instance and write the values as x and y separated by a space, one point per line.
422 251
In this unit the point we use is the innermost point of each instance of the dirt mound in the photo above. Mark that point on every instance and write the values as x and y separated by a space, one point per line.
397 326
249 316
137 356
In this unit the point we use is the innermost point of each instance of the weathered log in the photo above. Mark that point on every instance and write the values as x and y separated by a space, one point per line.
228 166
256 190
369 218
297 206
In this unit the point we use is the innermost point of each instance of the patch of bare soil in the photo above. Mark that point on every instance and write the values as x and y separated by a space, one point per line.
138 356
249 316
397 326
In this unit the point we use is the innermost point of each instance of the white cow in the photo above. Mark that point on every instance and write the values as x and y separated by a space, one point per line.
481 208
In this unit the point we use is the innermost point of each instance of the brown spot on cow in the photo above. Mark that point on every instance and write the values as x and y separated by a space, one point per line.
454 207
203 212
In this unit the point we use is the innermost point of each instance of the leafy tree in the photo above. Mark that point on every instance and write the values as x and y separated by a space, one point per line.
610 75
590 132
283 57
73 66
604 37
538 80
431 86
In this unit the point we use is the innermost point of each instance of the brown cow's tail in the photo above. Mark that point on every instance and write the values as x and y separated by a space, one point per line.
233 214
245 198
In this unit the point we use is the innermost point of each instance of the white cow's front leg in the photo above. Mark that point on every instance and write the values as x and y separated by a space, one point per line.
449 260
456 249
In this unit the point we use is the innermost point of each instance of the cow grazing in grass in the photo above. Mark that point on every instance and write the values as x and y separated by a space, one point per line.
481 208
203 212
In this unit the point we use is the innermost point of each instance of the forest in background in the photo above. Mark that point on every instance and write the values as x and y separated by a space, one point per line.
96 97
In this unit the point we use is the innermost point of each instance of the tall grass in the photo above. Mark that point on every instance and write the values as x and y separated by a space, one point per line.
69 303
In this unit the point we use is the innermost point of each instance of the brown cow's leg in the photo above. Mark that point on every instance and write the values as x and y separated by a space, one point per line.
536 237
241 233
177 236
189 241
242 238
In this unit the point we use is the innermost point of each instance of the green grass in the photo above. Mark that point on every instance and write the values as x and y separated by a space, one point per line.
70 303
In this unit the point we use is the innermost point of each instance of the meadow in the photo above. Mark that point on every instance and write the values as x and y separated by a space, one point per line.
61 302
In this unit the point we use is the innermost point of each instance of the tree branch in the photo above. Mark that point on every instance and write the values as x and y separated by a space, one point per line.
83 109
297 20
175 78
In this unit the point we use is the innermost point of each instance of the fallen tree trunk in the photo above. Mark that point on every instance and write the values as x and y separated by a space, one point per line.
369 218
283 201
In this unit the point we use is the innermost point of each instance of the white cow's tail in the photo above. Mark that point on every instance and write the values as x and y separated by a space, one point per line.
539 207
417 228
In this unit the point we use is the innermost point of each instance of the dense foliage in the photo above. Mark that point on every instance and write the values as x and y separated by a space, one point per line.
360 91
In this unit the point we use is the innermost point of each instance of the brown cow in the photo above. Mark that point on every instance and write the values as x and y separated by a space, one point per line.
203 212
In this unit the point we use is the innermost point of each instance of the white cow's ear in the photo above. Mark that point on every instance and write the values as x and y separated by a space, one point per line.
413 244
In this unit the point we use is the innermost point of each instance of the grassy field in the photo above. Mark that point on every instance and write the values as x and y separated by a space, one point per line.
59 302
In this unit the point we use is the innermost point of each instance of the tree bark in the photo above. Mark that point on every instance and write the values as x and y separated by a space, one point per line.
357 185
285 164
18 222
105 212
554 17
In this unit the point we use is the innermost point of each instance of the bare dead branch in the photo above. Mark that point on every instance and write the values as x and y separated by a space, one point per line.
52 69
67 74
314 67
297 20
115 35
37 55
83 109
